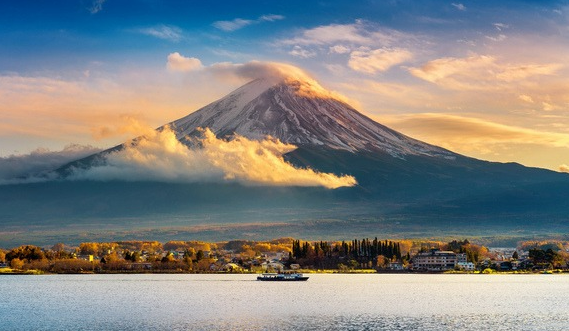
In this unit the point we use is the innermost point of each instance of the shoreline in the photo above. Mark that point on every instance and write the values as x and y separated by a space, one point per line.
8 271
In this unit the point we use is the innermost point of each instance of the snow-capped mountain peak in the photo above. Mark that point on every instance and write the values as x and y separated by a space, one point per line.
300 112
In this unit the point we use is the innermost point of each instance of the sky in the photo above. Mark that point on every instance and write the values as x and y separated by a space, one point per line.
487 79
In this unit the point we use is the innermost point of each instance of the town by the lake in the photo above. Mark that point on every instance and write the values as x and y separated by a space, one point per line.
242 256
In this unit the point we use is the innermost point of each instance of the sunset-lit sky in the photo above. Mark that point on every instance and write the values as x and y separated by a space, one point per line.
488 79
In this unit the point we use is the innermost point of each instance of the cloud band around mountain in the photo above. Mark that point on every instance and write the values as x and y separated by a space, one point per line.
159 156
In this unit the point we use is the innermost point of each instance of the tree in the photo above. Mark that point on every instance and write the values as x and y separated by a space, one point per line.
382 262
16 263
26 252
515 256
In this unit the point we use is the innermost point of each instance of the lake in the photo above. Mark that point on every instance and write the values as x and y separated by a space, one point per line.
324 302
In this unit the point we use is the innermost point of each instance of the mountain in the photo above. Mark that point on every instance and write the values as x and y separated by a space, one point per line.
405 187
300 113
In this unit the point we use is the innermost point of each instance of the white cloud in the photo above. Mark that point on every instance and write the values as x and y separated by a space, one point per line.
372 61
158 155
97 6
233 25
245 72
360 33
500 37
35 165
501 26
339 49
271 18
302 53
459 6
240 23
178 62
166 32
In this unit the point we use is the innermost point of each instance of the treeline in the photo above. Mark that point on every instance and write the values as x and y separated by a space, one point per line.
363 253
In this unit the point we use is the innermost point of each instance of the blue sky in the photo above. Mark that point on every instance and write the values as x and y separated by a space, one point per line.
484 78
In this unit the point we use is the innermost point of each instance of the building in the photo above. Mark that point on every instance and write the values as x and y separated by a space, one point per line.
395 266
436 260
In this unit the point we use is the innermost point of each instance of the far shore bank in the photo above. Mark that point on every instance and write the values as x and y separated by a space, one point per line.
9 271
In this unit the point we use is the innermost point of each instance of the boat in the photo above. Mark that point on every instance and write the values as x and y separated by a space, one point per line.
281 277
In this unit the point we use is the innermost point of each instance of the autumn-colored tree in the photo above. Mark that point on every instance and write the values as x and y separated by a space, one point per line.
43 265
73 266
204 264
16 263
382 262
89 248
26 252
2 255
111 258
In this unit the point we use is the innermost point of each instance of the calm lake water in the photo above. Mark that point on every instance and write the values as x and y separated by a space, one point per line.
324 302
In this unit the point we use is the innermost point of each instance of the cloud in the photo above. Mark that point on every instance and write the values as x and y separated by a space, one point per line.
459 6
277 72
371 48
271 18
96 6
478 72
128 125
158 155
240 23
360 33
501 26
233 25
302 53
564 168
339 49
177 62
165 32
526 98
464 133
372 61
498 38
36 165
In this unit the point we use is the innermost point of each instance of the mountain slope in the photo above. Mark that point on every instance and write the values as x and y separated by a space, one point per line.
297 112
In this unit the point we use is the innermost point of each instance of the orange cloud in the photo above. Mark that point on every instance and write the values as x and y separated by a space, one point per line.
372 61
479 72
158 155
